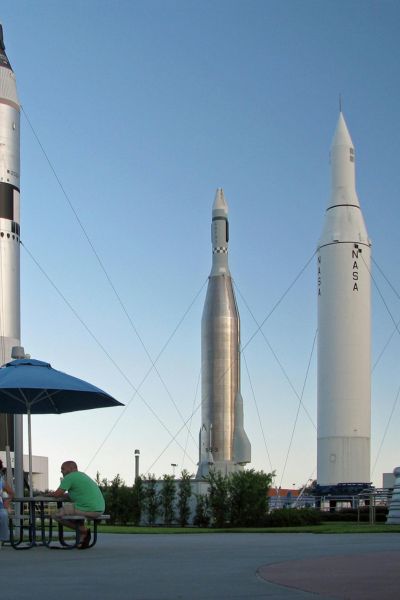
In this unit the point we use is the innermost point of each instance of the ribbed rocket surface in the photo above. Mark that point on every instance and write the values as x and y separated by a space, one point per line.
224 445
344 327
9 237
9 208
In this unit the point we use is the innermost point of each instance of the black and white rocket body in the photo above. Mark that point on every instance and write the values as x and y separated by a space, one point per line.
224 445
10 321
344 327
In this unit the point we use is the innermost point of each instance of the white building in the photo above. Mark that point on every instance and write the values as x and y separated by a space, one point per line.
40 469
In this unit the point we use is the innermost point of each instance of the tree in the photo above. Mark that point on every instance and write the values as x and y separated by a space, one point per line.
248 495
184 494
167 498
218 498
118 498
137 500
151 500
202 515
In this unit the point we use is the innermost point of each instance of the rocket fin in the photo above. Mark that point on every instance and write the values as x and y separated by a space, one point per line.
241 443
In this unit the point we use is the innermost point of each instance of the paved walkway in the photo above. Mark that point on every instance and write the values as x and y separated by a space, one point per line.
246 566
373 576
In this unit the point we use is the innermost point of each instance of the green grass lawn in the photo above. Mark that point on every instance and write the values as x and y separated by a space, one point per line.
339 527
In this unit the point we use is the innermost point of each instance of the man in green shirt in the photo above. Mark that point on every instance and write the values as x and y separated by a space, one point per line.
83 498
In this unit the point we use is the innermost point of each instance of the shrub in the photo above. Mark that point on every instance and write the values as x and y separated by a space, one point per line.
167 498
239 499
218 499
202 515
137 500
118 498
248 497
351 514
293 517
184 494
151 500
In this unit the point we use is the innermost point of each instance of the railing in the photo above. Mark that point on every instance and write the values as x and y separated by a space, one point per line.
370 498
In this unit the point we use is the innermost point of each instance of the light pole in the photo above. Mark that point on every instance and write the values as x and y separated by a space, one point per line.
137 456
173 465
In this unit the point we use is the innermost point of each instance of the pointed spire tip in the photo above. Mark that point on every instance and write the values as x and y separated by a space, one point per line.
220 202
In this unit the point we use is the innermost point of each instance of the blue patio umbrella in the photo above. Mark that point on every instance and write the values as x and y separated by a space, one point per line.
29 386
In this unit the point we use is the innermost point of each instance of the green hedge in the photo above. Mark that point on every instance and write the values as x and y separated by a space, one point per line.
351 514
290 517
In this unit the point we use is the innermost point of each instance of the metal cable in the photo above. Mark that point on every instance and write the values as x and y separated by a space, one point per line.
242 349
270 347
259 326
102 267
386 429
396 325
258 412
298 407
173 439
126 378
190 418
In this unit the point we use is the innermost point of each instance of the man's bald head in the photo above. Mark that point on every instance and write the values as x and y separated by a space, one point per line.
68 467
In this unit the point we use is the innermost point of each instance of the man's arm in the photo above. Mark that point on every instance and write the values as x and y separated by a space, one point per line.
60 493
10 495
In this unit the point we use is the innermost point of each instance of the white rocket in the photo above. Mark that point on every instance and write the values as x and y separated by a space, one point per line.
224 445
10 320
344 327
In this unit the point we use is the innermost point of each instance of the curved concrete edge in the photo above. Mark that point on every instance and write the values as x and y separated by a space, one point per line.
357 577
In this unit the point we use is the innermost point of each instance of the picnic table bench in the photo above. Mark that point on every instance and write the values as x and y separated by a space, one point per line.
34 524
91 520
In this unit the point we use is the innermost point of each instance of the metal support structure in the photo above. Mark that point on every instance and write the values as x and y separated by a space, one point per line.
394 508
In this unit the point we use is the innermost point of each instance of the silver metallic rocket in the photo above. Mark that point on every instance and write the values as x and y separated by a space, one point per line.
10 320
224 445
344 327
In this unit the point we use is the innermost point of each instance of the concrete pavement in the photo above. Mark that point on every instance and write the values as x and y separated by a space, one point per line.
246 566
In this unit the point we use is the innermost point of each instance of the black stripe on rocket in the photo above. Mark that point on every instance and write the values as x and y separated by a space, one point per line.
7 205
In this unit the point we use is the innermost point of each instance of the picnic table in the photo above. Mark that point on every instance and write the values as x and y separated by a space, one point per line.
32 524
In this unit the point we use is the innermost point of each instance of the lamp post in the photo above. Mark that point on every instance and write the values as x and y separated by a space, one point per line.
137 456
173 465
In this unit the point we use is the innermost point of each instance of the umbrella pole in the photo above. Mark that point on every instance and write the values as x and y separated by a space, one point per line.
30 452
9 467
18 455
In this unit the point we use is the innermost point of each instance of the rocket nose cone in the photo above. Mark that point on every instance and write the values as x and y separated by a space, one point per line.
220 202
4 62
342 135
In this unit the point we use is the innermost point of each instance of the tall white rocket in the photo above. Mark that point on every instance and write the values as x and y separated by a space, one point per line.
10 320
344 327
224 445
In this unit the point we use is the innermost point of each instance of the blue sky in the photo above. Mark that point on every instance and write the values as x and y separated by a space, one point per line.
144 109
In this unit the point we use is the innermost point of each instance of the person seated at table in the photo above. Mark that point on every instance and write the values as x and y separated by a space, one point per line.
4 504
83 497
